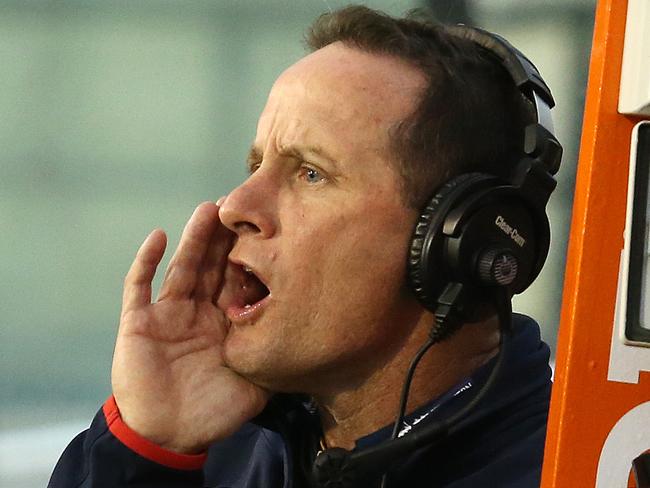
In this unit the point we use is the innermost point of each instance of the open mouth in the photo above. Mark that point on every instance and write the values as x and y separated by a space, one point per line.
253 290
244 293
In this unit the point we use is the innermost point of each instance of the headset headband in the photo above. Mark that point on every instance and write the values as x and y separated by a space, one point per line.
540 141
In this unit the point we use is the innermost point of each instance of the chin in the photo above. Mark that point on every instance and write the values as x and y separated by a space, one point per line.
251 363
267 371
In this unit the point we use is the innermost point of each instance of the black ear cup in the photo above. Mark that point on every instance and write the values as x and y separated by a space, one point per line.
427 241
482 233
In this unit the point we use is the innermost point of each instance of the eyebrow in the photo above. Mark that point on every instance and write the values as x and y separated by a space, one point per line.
298 152
254 157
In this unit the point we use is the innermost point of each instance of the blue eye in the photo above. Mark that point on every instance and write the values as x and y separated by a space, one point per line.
311 175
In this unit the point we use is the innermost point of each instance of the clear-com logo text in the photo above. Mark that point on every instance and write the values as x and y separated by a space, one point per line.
510 231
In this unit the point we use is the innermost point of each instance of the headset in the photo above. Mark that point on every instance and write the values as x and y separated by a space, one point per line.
479 236
478 230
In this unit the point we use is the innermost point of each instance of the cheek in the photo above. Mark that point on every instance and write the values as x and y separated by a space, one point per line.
354 265
373 269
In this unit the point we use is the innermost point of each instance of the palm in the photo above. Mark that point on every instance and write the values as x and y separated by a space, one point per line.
169 378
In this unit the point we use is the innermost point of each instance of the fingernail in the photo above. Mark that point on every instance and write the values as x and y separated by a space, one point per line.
220 201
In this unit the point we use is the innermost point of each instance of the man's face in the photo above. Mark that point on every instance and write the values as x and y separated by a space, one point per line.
322 223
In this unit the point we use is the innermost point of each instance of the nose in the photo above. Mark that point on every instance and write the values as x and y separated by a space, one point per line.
249 208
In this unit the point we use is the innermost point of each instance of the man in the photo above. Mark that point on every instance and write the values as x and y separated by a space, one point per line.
286 303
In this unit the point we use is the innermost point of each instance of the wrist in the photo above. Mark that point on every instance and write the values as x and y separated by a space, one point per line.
168 454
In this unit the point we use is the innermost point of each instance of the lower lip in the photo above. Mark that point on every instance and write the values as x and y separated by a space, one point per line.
240 315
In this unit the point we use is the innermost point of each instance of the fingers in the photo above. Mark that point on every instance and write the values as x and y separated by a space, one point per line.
137 283
212 271
182 274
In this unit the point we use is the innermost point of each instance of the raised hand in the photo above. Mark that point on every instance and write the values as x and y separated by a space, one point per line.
168 375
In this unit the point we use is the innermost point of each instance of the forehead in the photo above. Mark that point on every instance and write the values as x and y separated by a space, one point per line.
340 97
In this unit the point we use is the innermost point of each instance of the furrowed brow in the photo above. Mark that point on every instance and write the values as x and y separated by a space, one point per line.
304 152
298 152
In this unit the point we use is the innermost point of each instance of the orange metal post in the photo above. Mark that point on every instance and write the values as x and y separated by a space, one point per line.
585 405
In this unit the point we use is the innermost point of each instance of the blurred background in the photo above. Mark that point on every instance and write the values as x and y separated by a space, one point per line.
119 116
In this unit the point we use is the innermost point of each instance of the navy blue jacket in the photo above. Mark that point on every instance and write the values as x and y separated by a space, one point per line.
499 445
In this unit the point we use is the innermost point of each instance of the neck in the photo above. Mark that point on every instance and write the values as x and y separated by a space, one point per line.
353 413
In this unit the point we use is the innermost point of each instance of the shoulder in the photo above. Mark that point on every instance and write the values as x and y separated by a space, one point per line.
501 443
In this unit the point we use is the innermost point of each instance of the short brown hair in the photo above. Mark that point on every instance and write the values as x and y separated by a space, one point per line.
470 116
